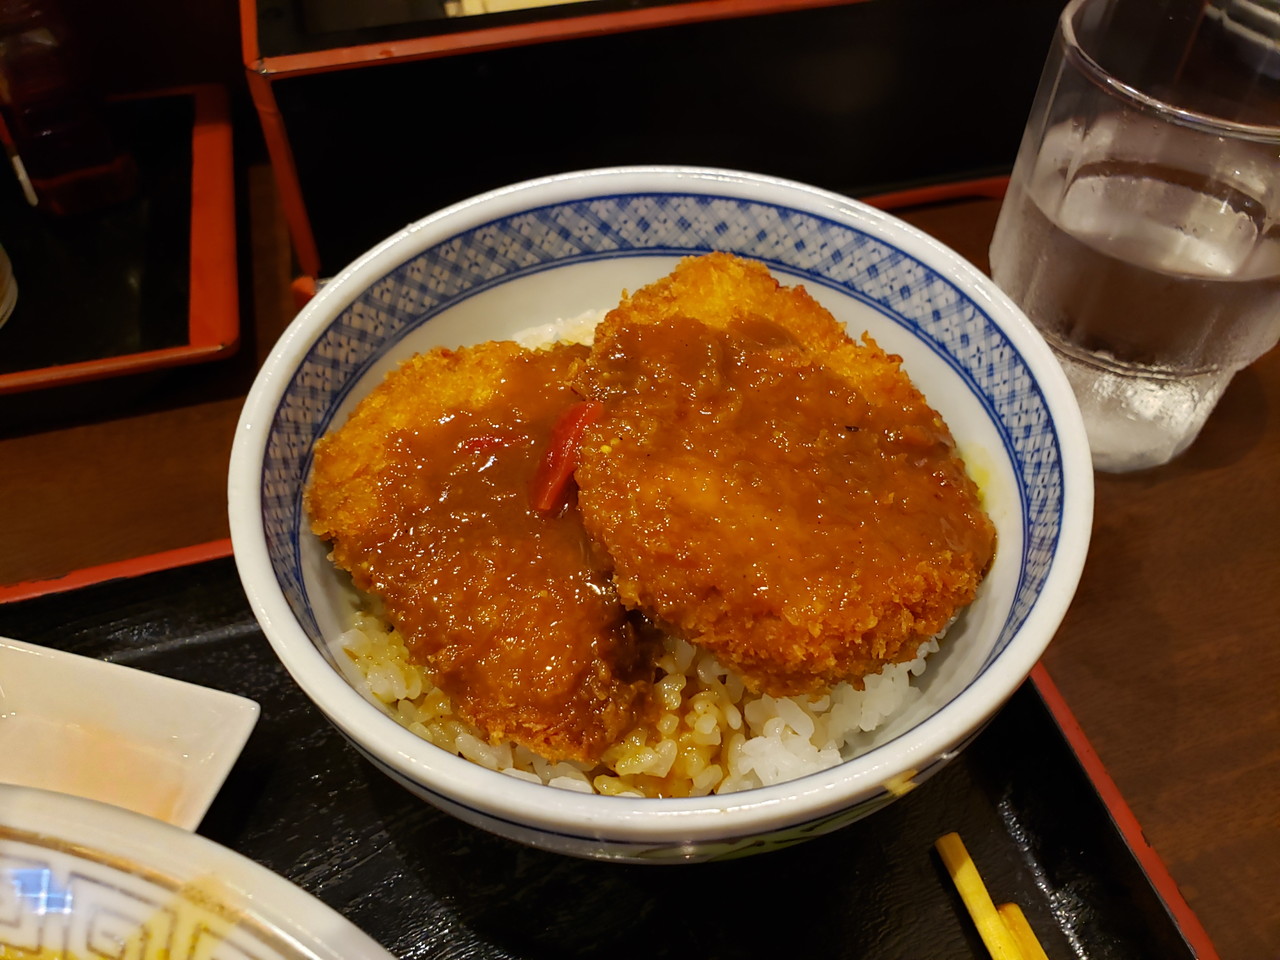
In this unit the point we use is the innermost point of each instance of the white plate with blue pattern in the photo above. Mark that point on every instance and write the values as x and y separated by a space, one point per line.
559 247
80 879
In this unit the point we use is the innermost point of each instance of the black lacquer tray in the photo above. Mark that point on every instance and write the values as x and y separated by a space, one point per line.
304 803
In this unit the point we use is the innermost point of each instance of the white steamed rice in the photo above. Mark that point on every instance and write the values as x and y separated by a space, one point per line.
711 735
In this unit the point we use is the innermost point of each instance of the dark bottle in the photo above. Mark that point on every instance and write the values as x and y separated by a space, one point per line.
54 124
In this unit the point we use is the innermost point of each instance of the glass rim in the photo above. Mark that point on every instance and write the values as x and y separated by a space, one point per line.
1257 132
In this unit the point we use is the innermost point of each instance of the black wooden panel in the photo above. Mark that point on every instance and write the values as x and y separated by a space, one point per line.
856 98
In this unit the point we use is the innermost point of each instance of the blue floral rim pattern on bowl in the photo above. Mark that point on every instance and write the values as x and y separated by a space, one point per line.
822 250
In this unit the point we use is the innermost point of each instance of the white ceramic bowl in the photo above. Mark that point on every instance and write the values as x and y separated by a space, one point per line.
558 247
82 879
101 730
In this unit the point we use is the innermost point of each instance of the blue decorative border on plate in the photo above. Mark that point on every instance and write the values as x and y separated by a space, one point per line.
822 250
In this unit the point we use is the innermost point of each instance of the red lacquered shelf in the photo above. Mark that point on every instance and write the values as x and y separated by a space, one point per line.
148 284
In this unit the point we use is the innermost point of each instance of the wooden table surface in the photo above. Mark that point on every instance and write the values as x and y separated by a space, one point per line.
1168 656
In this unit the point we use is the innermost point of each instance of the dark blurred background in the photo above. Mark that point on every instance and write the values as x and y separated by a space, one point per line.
859 97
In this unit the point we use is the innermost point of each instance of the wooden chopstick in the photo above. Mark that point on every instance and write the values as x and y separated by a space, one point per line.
1021 931
1005 931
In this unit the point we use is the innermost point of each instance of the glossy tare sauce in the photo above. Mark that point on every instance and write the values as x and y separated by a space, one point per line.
506 604
805 516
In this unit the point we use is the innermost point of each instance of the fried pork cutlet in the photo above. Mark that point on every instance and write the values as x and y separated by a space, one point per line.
424 495
769 488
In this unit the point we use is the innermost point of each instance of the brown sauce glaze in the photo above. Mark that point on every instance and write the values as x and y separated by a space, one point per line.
507 607
808 521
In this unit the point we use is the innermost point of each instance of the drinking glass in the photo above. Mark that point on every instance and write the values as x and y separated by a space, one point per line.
1139 232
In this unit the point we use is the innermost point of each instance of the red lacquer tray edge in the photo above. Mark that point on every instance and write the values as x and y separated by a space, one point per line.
1126 822
117 570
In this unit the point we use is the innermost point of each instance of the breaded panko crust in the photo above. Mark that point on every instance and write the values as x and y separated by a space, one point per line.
721 290
769 488
343 491
423 494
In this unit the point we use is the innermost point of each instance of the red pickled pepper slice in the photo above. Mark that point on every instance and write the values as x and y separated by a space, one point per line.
550 485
